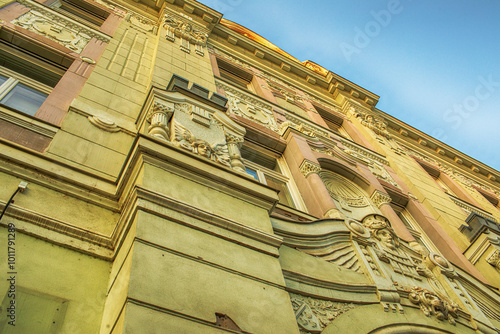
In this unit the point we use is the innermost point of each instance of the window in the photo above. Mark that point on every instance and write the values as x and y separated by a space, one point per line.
235 75
332 120
414 228
81 11
489 196
21 93
272 172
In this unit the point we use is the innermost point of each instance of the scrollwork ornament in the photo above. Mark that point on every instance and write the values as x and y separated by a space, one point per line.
432 305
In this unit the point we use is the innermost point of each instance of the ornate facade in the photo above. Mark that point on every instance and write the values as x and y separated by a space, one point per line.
165 170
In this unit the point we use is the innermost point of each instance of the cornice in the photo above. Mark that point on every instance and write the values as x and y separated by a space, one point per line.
332 82
439 150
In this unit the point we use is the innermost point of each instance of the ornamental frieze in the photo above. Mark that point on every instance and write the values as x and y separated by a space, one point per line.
248 107
302 126
57 27
184 28
345 192
313 315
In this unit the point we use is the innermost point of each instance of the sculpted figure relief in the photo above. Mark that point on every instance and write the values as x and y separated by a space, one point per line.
183 138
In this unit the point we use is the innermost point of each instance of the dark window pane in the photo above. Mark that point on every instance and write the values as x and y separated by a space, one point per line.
24 99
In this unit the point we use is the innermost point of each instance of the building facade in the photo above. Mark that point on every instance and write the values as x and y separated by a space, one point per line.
173 172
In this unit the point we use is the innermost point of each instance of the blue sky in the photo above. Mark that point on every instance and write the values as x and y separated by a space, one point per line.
435 65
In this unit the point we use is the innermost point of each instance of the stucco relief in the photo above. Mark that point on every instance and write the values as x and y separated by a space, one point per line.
302 126
313 315
183 138
59 32
185 29
248 107
433 305
388 249
195 127
345 192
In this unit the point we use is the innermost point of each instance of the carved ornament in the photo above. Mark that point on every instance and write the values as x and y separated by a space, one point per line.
389 250
361 153
183 138
248 107
344 191
57 27
381 173
494 259
230 58
104 123
302 126
379 198
432 305
313 315
308 167
185 28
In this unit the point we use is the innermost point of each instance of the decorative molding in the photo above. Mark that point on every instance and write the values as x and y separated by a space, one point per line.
57 27
362 153
142 23
183 138
228 57
302 126
432 305
248 107
379 198
185 28
494 259
308 167
381 173
313 315
344 191
470 208
27 123
103 123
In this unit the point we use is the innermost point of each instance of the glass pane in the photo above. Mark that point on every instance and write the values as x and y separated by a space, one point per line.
24 98
3 79
283 193
253 173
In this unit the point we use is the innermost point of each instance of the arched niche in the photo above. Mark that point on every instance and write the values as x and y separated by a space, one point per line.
349 197
349 172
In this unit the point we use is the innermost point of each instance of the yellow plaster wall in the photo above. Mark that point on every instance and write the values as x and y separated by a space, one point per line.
49 269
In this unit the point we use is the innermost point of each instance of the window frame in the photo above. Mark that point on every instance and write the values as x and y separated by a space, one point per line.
14 79
284 176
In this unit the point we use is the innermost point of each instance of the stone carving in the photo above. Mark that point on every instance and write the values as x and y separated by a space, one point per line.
432 305
324 150
104 123
381 173
142 23
361 153
379 198
308 167
389 250
158 116
187 31
57 27
313 315
246 106
494 259
183 138
289 95
369 259
57 31
374 123
302 126
344 191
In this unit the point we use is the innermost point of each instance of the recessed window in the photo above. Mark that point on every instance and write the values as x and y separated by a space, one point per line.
332 120
235 75
266 169
20 96
81 11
